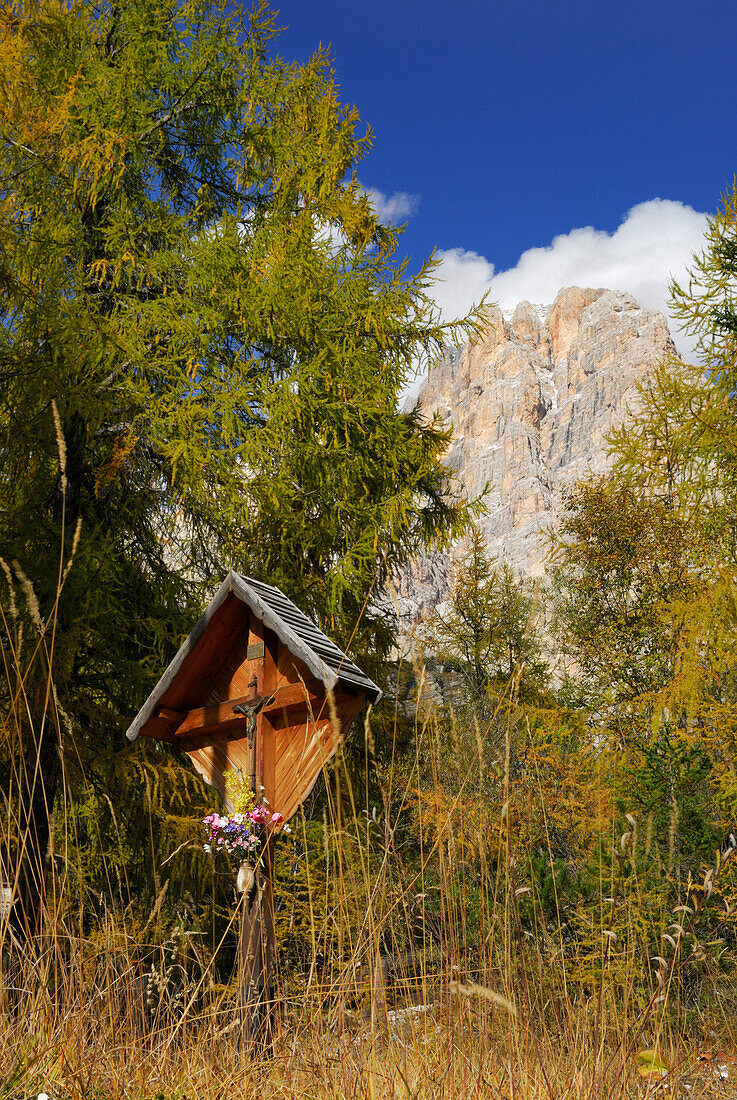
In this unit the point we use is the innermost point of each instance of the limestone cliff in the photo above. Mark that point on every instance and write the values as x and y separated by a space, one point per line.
531 403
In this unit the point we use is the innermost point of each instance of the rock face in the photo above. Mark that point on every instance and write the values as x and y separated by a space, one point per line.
531 404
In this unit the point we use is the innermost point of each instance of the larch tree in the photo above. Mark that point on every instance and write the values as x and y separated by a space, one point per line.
621 559
205 334
648 566
487 629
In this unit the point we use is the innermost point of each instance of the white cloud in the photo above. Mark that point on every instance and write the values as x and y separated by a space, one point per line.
462 279
655 242
393 209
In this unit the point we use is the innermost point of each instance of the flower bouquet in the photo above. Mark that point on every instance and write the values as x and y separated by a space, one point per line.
241 832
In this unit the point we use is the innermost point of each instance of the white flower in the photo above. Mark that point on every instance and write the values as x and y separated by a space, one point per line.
286 829
43 1095
238 818
723 1072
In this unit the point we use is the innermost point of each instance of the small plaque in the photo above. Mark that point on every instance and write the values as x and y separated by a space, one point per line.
255 651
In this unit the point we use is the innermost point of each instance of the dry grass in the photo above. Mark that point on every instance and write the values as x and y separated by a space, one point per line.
452 1050
81 1020
509 1011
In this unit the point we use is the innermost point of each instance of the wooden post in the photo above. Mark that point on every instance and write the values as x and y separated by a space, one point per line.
257 946
257 949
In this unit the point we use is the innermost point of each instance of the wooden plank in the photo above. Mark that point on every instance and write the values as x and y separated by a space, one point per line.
167 715
214 760
291 670
159 730
219 717
308 748
286 777
268 762
265 730
220 686
312 746
255 636
213 719
322 744
171 673
201 666
211 763
293 697
348 707
291 760
240 681
240 755
281 741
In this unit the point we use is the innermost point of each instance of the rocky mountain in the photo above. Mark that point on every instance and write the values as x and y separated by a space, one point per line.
531 403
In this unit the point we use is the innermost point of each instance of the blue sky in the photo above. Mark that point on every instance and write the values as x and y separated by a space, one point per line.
501 126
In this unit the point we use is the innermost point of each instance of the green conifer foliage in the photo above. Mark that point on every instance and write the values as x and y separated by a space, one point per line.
622 558
487 632
204 335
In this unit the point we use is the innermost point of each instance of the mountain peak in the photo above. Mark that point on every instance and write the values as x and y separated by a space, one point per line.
531 402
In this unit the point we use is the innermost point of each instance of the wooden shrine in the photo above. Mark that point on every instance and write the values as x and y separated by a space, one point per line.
258 687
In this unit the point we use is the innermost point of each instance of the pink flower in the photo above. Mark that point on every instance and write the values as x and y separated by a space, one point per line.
277 818
258 815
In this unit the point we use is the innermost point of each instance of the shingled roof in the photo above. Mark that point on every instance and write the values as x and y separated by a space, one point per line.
298 633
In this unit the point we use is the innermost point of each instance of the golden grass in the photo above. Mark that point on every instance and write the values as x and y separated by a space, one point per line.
507 1009
81 1019
452 1050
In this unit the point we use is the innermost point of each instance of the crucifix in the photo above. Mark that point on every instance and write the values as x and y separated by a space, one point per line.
249 690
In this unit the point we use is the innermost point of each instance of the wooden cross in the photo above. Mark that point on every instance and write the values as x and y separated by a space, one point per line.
257 687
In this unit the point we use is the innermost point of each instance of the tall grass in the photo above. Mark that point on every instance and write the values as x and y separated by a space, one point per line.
430 964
